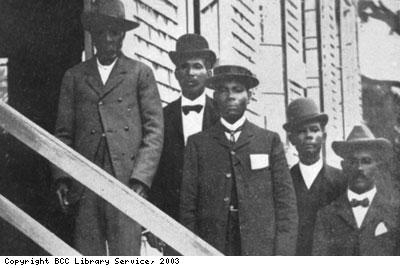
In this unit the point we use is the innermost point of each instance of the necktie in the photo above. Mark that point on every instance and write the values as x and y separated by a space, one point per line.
232 133
355 203
195 108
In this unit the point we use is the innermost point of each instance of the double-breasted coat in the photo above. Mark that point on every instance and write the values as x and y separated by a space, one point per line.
336 231
126 113
165 192
327 186
266 198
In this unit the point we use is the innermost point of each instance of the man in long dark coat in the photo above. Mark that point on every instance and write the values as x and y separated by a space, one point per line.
237 193
316 183
365 220
193 112
110 112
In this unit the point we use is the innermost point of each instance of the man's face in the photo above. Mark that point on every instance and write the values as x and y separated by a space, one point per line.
108 42
192 74
308 140
361 169
232 98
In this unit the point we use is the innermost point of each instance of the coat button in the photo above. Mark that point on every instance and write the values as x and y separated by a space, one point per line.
228 175
103 134
226 199
132 157
126 128
92 131
233 153
100 103
119 99
129 109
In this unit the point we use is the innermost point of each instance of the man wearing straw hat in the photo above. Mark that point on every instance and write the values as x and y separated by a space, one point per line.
365 219
316 183
110 112
237 193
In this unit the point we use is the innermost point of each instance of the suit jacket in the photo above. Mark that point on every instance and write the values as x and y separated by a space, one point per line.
336 231
266 197
127 111
165 191
328 186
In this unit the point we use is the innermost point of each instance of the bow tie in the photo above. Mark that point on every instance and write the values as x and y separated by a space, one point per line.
195 108
355 203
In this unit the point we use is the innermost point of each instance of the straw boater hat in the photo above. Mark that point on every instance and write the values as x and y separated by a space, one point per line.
301 111
231 72
362 137
192 45
107 13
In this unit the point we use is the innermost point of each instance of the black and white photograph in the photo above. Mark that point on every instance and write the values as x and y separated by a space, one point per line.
170 128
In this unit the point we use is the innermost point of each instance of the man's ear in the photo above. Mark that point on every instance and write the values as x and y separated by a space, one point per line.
249 94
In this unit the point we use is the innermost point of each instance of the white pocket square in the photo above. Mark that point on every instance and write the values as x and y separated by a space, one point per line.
259 161
380 229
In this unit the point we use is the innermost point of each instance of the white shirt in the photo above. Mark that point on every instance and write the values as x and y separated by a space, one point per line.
233 127
359 212
310 172
192 123
105 70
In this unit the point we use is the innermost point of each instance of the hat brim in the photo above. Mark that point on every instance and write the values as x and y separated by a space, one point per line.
379 145
322 118
248 81
177 57
92 21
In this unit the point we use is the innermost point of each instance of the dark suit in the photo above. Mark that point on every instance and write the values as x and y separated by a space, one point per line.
119 126
165 191
336 231
265 196
327 186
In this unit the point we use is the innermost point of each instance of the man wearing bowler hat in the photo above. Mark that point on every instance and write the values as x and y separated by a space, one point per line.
193 112
110 112
316 183
365 219
237 193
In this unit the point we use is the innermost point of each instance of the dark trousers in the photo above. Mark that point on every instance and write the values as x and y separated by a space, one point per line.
98 223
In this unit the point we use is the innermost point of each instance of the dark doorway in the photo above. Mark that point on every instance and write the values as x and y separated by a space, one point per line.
41 39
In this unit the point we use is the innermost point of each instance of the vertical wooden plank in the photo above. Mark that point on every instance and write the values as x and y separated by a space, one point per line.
88 39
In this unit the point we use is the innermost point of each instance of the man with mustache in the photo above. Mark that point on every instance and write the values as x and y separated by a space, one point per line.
316 183
110 112
364 221
237 193
193 112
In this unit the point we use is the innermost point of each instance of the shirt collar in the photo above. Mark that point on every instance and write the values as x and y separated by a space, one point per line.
369 194
105 67
200 100
313 168
235 125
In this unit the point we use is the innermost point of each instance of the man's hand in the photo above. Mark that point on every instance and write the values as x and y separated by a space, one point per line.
62 190
154 241
139 188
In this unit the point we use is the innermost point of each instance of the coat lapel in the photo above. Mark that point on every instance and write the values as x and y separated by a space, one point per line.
218 134
92 77
116 76
245 136
377 212
343 209
176 119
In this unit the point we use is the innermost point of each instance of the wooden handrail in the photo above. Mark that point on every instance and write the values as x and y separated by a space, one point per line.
103 184
34 230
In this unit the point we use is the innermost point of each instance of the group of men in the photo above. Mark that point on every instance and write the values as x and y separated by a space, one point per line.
204 164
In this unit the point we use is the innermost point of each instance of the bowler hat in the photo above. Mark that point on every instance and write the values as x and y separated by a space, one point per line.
231 72
107 13
361 137
301 111
192 45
